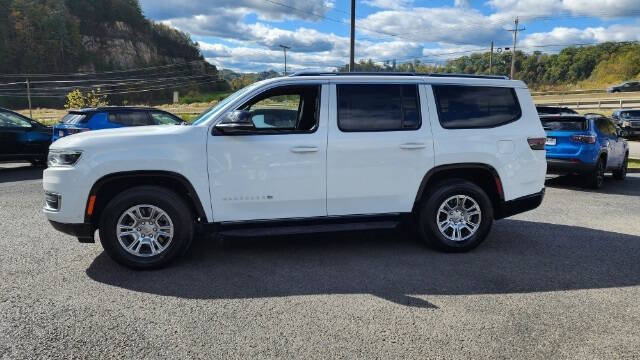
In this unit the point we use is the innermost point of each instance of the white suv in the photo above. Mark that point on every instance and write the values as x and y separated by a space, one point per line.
307 153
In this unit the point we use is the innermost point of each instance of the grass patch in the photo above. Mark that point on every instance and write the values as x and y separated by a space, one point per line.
634 164
204 98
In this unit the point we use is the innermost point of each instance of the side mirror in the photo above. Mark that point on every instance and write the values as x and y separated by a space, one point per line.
236 122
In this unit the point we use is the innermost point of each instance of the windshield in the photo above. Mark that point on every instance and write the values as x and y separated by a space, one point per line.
73 119
212 111
565 124
631 114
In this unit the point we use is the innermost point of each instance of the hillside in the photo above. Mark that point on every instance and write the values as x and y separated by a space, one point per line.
586 67
62 36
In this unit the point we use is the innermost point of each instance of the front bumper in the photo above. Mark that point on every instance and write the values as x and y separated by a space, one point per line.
84 232
519 205
562 166
632 131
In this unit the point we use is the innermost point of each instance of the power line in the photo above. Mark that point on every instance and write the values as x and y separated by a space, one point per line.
102 72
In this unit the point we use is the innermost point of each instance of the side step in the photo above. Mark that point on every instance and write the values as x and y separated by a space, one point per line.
309 226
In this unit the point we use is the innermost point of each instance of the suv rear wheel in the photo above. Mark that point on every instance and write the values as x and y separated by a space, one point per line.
146 227
456 216
621 173
595 179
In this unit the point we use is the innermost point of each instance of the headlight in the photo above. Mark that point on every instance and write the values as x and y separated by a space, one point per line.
63 158
626 123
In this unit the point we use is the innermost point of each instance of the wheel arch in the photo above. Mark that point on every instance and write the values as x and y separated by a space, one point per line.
109 185
483 175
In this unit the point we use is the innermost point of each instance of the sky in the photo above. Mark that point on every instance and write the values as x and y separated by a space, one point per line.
245 35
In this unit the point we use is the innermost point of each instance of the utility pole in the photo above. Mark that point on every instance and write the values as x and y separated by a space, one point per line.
491 60
29 97
285 48
352 61
515 40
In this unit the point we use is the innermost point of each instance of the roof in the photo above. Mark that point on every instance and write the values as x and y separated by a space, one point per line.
113 108
562 116
473 76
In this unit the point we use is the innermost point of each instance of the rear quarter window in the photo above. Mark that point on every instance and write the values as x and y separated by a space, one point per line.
470 107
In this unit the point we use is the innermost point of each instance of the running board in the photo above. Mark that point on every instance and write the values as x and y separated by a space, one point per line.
309 226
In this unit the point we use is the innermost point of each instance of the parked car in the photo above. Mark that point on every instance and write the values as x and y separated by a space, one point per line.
626 86
23 139
628 120
554 110
78 121
586 145
448 154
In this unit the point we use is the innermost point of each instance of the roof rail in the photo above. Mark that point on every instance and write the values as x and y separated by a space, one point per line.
386 73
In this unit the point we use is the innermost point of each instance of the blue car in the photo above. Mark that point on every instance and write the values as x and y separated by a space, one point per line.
111 117
23 139
586 145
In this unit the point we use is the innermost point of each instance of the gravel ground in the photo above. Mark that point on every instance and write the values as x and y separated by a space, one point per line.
558 282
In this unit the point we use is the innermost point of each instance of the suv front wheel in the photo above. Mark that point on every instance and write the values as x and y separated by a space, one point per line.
146 227
456 216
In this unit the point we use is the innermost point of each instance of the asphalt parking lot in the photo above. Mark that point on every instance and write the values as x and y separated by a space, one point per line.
559 282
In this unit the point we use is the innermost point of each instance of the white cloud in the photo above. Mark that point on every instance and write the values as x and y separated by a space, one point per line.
452 25
566 36
389 4
527 9
266 10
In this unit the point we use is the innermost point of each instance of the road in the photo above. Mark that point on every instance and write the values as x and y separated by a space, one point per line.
559 282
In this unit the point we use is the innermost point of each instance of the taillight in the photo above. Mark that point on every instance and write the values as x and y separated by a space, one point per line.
586 139
537 143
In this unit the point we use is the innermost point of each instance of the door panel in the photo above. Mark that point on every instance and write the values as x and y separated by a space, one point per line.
376 172
270 176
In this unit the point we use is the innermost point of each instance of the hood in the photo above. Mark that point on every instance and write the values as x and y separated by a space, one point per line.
123 137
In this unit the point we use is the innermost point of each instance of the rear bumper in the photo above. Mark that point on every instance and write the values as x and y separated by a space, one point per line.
84 232
519 205
561 166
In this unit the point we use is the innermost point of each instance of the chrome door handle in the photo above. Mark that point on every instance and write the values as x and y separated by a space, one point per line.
412 146
304 149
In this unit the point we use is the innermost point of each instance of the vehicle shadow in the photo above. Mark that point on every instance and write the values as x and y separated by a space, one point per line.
20 173
630 186
519 257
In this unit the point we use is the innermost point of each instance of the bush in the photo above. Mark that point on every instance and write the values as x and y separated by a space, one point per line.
79 100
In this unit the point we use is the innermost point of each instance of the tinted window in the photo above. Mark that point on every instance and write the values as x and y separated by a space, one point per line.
162 118
466 107
378 107
560 124
285 108
132 118
8 119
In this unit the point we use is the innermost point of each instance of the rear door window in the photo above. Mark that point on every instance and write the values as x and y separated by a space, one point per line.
378 107
565 124
469 107
132 118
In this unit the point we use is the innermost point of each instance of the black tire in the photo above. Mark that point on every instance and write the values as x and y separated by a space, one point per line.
621 173
595 179
160 197
429 215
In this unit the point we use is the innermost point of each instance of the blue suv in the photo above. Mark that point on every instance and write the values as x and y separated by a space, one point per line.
587 145
111 117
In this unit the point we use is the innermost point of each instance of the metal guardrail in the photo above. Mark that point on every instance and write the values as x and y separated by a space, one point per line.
568 92
593 103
